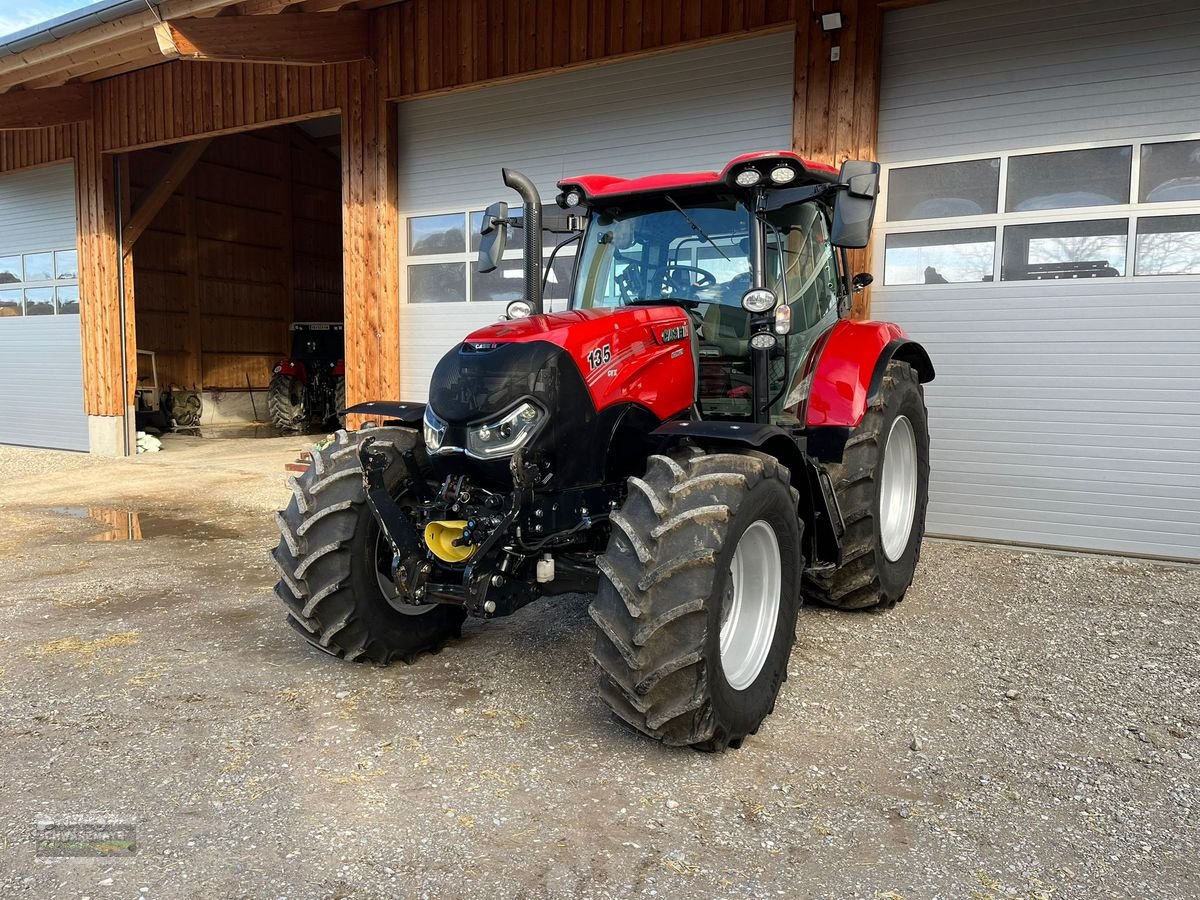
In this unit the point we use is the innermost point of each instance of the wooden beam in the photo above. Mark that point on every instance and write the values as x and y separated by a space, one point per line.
182 161
45 108
298 40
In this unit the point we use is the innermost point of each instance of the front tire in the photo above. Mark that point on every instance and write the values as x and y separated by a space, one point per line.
334 569
882 487
699 590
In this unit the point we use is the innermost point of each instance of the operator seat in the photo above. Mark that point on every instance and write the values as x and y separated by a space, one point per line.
728 327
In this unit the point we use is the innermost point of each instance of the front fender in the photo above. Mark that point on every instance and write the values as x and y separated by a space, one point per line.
850 370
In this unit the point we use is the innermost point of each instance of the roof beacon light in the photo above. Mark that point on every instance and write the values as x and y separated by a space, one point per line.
783 174
748 178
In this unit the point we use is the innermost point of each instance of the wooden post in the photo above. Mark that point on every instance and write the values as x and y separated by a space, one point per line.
370 235
99 296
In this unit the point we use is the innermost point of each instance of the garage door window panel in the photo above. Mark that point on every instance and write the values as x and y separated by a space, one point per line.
952 256
1065 250
1069 179
12 303
944 190
1170 172
39 301
39 267
1168 245
438 283
432 235
10 270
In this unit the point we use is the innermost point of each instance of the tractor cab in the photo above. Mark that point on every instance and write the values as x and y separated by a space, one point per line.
749 252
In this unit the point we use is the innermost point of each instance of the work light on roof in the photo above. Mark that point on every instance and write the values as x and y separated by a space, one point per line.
783 174
748 178
572 198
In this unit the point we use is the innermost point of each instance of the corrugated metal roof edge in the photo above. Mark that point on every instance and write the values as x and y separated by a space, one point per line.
72 23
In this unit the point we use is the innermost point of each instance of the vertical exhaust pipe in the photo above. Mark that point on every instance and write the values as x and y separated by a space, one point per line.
533 236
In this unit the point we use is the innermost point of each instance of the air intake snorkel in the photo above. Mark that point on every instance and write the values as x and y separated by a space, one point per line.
533 236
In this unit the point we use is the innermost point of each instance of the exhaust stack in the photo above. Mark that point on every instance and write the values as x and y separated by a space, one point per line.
533 236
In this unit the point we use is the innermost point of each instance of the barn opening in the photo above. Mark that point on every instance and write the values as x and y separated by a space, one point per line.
233 245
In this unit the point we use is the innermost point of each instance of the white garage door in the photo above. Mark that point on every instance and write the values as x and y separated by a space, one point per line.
688 110
41 372
1042 237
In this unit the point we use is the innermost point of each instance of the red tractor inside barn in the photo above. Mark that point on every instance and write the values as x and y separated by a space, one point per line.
701 440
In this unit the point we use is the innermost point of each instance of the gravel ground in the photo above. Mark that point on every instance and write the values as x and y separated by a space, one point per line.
1023 726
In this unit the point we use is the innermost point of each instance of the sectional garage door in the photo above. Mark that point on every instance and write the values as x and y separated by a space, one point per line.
41 375
688 110
1042 237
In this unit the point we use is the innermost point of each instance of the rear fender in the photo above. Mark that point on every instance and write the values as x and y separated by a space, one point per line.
817 508
391 412
292 369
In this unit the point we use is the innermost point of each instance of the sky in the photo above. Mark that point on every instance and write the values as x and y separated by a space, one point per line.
18 14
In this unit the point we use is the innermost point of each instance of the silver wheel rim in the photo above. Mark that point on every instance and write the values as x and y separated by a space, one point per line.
751 608
898 488
388 587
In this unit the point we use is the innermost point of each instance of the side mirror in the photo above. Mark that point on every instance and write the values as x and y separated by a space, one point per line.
494 232
854 208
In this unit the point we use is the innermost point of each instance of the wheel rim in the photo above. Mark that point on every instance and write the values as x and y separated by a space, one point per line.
898 488
751 608
383 577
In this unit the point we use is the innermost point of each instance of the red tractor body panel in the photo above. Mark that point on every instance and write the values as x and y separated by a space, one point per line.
640 354
291 369
845 366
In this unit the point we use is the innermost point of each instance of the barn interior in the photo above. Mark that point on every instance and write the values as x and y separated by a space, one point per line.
228 241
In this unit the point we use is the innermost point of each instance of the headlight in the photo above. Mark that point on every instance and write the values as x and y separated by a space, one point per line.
519 309
433 428
505 435
758 300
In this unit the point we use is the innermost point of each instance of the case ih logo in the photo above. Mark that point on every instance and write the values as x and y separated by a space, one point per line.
678 333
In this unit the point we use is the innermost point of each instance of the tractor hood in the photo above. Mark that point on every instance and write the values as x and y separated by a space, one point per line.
577 328
630 354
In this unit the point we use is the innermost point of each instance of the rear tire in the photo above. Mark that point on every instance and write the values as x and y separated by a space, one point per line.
690 651
885 519
287 403
339 401
333 568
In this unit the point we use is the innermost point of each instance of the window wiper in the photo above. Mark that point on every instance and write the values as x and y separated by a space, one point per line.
695 227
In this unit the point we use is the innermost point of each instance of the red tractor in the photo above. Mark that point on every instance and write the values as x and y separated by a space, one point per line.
701 440
310 385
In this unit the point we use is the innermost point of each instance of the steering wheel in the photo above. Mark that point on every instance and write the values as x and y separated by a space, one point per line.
674 280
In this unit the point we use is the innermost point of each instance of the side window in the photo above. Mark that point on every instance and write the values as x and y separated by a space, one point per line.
799 246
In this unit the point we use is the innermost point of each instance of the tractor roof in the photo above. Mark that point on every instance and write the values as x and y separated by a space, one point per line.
606 187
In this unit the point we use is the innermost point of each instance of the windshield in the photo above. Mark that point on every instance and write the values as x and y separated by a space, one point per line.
697 252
